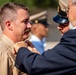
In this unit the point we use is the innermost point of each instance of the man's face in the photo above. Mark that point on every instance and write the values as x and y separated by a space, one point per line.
63 28
21 25
42 30
72 12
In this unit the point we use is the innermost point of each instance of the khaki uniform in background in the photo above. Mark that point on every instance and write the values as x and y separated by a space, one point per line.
7 57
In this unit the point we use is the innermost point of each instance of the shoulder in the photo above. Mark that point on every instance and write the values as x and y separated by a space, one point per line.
70 33
3 46
4 56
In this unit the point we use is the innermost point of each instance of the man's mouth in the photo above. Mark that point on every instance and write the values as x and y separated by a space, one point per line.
27 30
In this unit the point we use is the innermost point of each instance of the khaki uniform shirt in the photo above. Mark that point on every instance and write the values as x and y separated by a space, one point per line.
7 58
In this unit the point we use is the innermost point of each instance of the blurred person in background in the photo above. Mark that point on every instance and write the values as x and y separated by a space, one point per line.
39 32
62 19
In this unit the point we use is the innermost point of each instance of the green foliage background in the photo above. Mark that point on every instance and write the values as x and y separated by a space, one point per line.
34 3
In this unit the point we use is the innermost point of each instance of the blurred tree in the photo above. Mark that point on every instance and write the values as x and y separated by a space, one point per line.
12 0
34 3
45 3
28 3
3 2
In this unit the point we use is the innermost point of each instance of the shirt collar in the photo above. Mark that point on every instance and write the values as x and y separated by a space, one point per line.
34 38
74 27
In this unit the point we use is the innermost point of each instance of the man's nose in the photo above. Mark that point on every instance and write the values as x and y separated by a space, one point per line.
29 25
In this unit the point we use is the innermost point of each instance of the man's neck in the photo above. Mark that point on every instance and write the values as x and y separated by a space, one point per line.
72 25
10 36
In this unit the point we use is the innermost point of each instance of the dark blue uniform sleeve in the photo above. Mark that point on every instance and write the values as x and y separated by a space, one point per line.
57 61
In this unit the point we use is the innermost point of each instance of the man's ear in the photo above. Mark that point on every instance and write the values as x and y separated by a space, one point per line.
9 25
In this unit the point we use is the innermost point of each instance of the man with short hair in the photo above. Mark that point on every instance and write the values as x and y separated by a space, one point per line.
14 21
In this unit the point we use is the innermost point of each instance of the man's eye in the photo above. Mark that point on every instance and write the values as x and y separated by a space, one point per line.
26 22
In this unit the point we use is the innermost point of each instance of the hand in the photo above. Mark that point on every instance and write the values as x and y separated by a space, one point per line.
29 43
31 47
26 44
34 50
18 45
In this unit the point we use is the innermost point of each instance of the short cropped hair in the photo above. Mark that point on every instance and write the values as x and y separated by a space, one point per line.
9 12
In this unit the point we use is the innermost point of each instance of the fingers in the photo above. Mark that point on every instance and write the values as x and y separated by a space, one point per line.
29 43
36 51
33 50
26 44
19 45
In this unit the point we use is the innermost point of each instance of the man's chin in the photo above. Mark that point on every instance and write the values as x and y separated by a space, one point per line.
26 37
